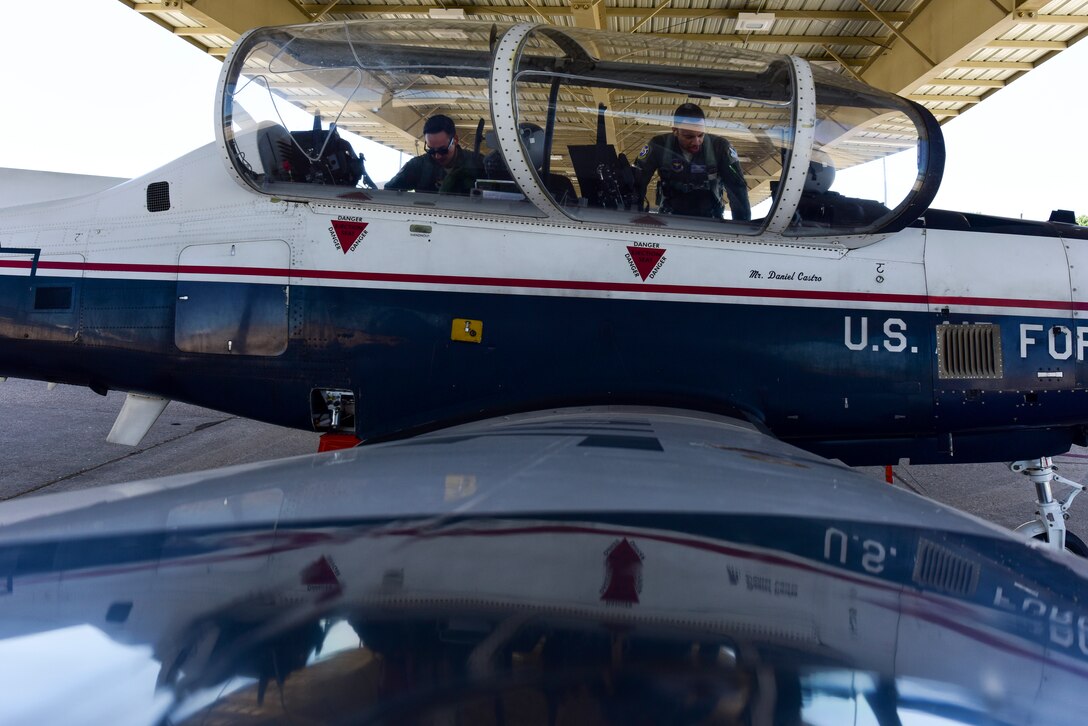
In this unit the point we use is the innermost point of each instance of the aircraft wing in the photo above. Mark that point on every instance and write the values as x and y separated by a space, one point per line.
607 563
26 186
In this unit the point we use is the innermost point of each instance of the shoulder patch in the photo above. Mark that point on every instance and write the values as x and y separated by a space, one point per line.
733 155
645 151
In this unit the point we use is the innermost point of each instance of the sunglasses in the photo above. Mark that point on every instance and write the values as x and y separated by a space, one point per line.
440 151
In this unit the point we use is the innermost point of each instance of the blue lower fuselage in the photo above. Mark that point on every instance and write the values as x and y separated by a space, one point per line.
860 385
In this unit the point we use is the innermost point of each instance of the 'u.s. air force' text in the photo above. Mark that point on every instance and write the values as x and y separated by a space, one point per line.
1058 341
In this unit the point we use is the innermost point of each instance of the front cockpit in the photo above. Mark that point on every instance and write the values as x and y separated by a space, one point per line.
570 125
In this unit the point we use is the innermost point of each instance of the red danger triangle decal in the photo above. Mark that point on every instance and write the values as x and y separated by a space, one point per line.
320 572
320 576
644 258
348 233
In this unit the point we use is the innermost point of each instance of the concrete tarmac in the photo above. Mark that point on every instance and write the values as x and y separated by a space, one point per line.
55 441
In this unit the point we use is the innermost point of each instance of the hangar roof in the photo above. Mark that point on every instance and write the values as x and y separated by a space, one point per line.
947 55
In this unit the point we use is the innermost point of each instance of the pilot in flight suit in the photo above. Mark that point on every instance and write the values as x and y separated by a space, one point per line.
445 167
695 169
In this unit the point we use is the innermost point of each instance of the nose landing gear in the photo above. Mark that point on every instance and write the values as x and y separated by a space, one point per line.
1049 522
332 409
332 412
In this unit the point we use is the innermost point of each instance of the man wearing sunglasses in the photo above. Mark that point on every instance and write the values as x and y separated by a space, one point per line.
444 167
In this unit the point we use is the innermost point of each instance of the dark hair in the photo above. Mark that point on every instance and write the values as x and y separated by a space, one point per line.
438 123
687 113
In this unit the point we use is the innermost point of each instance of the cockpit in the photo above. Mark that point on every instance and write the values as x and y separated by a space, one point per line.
566 121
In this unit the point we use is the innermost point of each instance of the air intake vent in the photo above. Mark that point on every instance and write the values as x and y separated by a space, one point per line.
969 351
939 569
158 196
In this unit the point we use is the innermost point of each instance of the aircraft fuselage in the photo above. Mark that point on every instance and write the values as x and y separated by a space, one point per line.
266 275
251 309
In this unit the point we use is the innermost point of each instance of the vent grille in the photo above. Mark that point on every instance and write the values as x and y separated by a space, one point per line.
940 569
158 196
972 350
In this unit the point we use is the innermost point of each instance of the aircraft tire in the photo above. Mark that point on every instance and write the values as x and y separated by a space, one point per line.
1073 543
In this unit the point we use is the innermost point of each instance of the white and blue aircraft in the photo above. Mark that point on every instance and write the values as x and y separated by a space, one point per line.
596 565
264 276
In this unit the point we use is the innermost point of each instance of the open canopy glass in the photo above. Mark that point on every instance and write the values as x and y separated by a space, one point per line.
577 124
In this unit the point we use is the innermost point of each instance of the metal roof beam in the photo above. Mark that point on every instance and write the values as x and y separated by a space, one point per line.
933 98
213 30
966 83
946 31
692 13
1029 44
1040 19
830 15
852 62
995 65
894 30
664 5
788 39
842 62
236 15
589 14
320 15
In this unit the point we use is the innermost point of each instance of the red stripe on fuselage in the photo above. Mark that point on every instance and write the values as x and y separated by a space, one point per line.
581 285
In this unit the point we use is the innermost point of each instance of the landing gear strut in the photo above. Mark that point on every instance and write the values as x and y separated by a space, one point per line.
1049 522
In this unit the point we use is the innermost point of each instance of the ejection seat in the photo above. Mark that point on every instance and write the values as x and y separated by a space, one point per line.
821 207
277 152
559 186
313 157
606 178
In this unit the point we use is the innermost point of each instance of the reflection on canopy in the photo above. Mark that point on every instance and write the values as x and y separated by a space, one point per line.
613 583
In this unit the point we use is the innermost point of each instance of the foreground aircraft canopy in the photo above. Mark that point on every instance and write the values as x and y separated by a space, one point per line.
609 565
571 106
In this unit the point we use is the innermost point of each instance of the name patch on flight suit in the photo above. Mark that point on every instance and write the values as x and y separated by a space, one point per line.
698 168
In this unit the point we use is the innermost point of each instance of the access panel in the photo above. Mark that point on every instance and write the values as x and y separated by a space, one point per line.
232 298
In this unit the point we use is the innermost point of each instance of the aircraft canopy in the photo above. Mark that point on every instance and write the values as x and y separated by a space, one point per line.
567 120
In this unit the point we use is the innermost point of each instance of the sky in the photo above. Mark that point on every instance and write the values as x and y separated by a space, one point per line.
1024 150
99 89
128 97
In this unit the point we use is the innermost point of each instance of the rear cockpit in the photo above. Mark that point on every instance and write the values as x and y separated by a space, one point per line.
571 124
